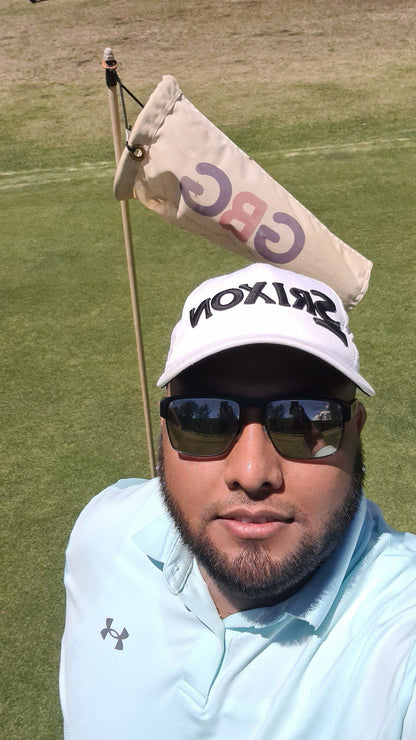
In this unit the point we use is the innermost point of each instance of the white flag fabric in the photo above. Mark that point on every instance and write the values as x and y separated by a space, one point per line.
183 167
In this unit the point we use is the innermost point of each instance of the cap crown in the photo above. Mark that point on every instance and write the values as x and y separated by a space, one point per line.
263 304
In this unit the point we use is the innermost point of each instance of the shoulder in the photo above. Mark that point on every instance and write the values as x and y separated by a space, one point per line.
386 571
399 548
113 516
124 499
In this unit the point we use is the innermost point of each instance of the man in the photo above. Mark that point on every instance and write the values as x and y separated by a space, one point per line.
250 590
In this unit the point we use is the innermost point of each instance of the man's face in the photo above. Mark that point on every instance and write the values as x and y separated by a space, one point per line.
258 523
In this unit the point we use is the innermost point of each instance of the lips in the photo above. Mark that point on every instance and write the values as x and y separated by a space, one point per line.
258 517
256 525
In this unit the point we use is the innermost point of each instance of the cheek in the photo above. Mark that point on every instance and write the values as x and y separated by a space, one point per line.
329 483
191 483
318 489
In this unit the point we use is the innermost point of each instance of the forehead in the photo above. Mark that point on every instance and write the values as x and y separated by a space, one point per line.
263 370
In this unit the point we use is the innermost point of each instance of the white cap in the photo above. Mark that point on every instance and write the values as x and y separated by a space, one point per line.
263 304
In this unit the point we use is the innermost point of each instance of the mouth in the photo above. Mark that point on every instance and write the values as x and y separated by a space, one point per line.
252 520
258 516
254 525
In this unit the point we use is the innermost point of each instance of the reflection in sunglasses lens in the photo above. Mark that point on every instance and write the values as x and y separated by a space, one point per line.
303 429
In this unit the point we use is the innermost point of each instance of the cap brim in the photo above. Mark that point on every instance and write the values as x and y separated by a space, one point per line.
196 356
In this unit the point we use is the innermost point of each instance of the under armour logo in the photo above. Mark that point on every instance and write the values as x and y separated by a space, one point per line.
108 630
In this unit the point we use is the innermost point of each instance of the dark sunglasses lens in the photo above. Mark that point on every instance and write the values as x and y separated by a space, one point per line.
305 429
202 427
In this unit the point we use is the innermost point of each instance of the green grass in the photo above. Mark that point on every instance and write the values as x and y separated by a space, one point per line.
71 406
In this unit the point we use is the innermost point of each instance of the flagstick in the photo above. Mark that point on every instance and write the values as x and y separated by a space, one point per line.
111 80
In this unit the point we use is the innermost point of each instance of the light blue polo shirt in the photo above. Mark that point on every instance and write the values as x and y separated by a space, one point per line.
146 656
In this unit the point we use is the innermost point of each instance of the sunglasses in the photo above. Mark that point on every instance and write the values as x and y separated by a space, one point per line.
300 428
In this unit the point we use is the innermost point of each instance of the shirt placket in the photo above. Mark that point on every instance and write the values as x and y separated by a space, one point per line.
203 662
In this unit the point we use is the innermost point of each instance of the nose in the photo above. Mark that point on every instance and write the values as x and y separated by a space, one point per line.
253 465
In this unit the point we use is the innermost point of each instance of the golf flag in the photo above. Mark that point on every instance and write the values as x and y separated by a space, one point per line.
180 165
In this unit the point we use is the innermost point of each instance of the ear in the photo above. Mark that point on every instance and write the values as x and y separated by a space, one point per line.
360 417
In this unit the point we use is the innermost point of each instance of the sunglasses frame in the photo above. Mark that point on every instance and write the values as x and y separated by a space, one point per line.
348 409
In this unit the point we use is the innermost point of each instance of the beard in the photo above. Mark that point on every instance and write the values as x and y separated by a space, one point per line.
253 574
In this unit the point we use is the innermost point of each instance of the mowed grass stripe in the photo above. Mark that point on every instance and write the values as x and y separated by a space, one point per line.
38 177
367 145
15 180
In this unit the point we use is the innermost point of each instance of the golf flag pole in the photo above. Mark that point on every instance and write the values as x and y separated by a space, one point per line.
110 65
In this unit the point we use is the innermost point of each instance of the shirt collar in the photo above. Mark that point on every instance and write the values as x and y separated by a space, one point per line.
161 541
